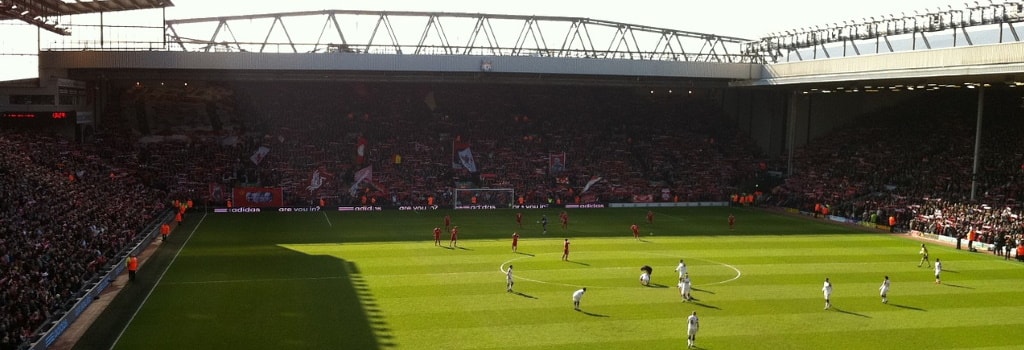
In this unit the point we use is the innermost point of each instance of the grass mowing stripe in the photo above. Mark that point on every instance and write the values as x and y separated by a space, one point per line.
922 337
842 319
269 280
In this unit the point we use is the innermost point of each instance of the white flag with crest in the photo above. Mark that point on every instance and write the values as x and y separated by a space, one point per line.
363 174
466 158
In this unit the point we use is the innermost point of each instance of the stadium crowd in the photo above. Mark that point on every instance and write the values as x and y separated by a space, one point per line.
67 212
888 165
680 151
70 209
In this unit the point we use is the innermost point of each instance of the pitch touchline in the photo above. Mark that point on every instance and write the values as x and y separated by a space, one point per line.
158 279
328 219
501 268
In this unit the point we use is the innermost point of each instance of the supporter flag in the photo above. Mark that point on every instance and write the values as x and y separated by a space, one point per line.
217 192
593 180
463 155
360 150
556 163
466 158
430 101
363 174
257 157
315 181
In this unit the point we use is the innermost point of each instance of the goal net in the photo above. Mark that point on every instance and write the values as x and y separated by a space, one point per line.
484 198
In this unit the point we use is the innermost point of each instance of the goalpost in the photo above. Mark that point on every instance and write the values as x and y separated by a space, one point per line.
486 198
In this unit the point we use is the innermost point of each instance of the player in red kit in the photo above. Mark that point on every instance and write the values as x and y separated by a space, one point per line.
564 218
732 221
455 237
447 222
437 236
650 217
519 219
565 250
636 231
515 241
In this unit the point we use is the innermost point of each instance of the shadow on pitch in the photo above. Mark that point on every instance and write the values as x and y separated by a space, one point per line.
524 295
850 312
656 285
527 254
908 307
449 248
703 305
702 290
593 314
957 286
578 263
463 248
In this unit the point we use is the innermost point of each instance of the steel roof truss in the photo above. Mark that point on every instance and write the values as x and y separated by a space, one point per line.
433 23
482 26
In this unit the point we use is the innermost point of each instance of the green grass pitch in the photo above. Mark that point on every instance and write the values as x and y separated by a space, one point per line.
375 280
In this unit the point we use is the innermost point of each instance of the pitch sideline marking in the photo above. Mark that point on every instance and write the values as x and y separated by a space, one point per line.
148 294
328 219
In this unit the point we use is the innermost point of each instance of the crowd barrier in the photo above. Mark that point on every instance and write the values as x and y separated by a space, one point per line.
952 240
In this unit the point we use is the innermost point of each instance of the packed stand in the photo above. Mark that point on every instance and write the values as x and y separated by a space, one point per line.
68 211
635 147
890 165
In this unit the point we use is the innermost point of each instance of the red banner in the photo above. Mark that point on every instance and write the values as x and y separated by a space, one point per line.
642 198
258 197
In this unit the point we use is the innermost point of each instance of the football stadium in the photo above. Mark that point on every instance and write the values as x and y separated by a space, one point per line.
352 179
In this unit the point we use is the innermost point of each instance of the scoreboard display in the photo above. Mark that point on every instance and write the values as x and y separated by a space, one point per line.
55 115
41 119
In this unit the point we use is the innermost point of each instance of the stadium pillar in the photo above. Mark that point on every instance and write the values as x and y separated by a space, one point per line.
977 141
796 100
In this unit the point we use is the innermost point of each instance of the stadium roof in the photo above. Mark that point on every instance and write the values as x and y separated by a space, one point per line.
40 12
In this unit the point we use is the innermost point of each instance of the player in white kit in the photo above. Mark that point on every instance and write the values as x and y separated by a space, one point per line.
645 278
827 290
681 268
692 325
684 287
884 290
576 297
508 280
